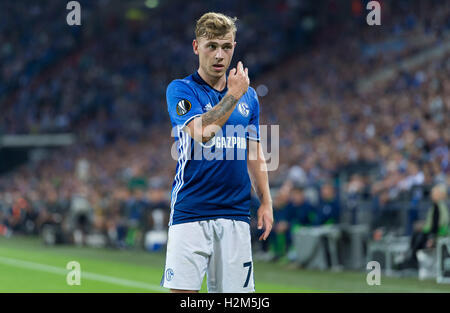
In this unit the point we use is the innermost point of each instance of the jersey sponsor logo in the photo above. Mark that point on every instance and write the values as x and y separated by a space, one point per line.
243 109
183 106
169 274
230 142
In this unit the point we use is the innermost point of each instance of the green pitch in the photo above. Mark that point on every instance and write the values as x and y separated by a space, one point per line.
26 265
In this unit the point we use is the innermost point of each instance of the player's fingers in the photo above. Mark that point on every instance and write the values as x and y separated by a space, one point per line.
233 71
262 236
240 67
267 228
267 231
260 221
246 72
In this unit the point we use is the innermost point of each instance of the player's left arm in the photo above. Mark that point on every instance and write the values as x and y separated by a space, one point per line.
257 169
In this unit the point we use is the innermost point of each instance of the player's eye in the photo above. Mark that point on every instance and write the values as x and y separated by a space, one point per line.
211 46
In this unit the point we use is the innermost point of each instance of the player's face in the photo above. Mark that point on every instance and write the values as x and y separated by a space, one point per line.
215 54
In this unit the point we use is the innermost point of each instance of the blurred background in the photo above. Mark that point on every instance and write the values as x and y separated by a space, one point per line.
364 115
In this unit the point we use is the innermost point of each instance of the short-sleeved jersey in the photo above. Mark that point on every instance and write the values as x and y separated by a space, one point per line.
211 179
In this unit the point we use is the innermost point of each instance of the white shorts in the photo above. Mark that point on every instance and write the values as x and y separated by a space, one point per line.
221 248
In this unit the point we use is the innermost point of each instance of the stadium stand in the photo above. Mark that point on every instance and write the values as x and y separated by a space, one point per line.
368 114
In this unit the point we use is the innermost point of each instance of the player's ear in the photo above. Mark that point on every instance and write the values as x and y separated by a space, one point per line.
195 46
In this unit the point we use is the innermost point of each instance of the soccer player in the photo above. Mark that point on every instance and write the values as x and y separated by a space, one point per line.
218 116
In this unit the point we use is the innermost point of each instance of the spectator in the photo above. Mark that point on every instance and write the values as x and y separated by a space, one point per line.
295 213
436 225
328 209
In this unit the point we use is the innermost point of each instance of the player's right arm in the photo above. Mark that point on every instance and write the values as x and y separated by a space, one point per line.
205 126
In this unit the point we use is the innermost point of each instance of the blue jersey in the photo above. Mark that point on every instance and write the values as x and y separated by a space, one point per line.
211 179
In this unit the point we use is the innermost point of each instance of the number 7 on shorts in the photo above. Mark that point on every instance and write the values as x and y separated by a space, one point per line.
249 265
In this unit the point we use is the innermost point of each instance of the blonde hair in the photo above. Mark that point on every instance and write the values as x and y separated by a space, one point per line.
215 25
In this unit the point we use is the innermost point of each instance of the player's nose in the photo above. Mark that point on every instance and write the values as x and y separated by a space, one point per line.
219 54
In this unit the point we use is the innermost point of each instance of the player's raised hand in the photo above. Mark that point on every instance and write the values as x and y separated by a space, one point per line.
238 81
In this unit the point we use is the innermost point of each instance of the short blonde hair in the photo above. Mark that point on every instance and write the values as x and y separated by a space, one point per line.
215 25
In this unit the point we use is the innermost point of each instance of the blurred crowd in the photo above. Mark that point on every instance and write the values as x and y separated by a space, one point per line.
90 191
108 76
400 125
105 81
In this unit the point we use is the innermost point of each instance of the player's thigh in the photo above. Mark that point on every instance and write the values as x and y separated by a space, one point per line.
231 265
188 251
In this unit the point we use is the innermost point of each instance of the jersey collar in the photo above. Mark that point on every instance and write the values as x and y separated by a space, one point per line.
197 78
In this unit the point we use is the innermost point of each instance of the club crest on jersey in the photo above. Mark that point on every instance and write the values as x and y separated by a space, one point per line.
183 107
169 274
208 107
243 109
